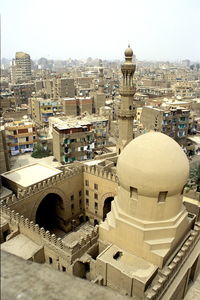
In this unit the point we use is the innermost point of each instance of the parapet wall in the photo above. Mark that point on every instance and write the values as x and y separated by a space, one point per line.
45 238
98 171
42 185
168 273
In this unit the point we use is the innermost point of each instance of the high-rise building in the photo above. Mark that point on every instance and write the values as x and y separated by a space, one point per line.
21 67
127 109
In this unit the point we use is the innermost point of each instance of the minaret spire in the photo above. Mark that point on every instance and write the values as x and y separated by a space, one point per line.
127 109
101 83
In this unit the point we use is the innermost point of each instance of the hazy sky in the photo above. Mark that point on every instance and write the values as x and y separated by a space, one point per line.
59 29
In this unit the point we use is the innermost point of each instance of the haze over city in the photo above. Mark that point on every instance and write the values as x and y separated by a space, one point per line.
156 30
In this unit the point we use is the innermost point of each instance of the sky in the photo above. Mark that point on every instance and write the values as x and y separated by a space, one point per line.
167 30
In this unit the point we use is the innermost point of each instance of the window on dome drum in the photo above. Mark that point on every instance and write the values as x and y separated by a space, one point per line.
162 196
96 186
87 182
133 193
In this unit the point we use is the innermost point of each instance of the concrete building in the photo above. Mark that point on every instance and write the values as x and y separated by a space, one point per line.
84 104
69 106
4 152
77 105
65 87
21 67
100 127
59 87
42 109
73 141
173 122
20 136
22 91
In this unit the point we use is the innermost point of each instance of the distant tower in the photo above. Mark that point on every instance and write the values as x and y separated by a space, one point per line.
100 97
127 108
101 83
21 67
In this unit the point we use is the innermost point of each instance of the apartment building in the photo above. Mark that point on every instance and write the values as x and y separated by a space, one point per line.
184 89
42 109
59 87
22 91
174 122
100 127
84 104
73 141
77 105
21 67
69 106
20 136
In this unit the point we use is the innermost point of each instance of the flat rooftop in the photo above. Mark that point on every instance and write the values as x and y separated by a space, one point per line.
30 174
131 265
21 246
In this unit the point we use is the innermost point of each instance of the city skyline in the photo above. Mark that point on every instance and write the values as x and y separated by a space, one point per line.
157 31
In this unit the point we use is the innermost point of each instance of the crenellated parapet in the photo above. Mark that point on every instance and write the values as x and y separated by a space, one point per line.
168 273
43 237
42 185
98 171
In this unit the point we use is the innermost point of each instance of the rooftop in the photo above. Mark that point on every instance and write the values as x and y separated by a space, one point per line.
30 174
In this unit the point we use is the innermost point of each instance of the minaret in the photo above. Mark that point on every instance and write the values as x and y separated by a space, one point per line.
127 108
101 83
100 97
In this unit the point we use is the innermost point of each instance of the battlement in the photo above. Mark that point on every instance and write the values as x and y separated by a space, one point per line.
42 237
98 171
42 185
167 274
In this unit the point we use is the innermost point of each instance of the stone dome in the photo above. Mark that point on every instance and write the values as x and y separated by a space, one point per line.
128 52
153 163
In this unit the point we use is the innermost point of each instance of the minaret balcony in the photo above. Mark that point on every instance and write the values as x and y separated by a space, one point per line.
128 91
125 113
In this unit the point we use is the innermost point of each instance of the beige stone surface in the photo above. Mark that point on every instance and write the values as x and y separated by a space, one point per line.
21 246
131 265
31 174
30 281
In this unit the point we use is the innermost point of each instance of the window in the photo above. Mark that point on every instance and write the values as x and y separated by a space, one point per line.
50 260
80 193
162 196
87 201
87 193
96 196
96 186
87 182
96 205
133 193
72 197
80 202
72 206
63 269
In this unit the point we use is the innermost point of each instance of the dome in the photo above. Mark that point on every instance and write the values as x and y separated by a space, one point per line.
128 52
153 163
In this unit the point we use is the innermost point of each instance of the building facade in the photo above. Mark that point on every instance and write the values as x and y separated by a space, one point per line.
21 67
20 136
73 141
174 121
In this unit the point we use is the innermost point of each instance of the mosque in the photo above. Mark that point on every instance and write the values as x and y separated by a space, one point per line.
121 221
